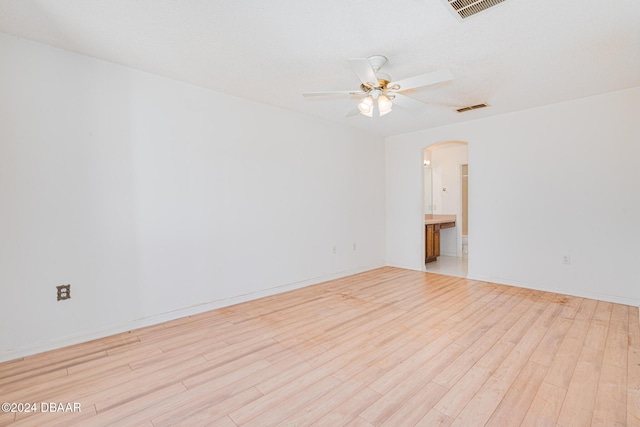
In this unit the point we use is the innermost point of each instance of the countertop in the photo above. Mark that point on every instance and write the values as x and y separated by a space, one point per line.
439 219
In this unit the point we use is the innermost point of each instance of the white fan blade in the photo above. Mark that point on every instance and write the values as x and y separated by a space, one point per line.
353 112
423 80
363 70
335 92
407 102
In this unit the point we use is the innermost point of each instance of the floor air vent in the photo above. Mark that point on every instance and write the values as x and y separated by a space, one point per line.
466 8
472 107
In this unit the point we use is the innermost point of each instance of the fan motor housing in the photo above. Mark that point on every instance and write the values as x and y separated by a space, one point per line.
382 84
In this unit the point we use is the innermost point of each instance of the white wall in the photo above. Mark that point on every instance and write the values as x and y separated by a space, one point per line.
155 199
446 161
557 180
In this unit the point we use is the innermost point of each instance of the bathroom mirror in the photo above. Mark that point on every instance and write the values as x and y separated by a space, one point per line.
428 196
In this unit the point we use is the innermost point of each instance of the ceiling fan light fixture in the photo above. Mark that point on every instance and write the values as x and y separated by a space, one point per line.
378 91
384 105
366 106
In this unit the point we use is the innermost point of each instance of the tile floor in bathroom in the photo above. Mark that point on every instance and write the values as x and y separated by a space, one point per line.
449 266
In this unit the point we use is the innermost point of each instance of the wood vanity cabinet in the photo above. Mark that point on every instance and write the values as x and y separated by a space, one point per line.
432 242
432 235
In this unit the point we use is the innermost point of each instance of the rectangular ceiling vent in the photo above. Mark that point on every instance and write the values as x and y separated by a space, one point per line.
464 9
472 107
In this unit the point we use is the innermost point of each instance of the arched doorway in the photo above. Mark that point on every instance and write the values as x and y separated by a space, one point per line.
445 205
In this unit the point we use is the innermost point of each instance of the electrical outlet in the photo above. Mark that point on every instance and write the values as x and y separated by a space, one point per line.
64 292
354 246
566 259
333 249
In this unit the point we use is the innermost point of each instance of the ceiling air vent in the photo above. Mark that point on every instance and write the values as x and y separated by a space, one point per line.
471 107
466 8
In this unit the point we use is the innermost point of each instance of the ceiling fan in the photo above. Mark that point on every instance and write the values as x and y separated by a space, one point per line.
377 89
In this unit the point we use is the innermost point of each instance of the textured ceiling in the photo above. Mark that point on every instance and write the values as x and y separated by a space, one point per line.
519 54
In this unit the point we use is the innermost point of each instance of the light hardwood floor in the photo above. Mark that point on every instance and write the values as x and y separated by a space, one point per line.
387 347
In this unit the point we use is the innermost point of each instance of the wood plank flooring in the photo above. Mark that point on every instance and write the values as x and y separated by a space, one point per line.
388 347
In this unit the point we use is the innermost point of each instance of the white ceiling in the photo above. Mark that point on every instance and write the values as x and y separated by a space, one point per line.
517 55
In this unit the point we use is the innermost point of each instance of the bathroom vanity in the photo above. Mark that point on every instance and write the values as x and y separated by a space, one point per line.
432 226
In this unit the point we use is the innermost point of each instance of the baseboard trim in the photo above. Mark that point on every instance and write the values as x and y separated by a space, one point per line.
450 254
590 295
41 347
